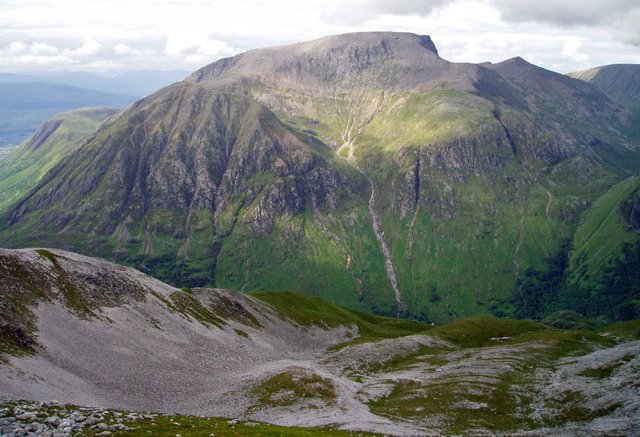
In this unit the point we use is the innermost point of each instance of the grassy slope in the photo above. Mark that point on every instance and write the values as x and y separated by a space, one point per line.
603 276
23 169
309 310
602 233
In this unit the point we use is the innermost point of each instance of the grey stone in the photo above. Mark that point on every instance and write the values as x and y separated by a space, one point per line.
53 421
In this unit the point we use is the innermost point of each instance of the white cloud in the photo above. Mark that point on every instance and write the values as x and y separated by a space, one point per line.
41 48
125 50
209 51
35 60
17 47
571 50
88 48
564 12
183 40
122 34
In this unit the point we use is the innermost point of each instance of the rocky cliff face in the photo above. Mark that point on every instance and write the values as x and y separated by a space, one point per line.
361 167
182 165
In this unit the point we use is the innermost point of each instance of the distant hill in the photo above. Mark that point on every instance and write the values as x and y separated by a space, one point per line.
23 168
621 82
135 83
24 106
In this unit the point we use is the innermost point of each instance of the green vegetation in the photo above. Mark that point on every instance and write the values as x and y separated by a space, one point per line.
26 166
483 331
310 311
186 303
623 331
21 289
241 333
597 274
497 399
170 426
291 386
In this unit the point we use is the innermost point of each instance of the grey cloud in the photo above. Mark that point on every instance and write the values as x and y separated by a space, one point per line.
628 28
564 12
408 7
360 11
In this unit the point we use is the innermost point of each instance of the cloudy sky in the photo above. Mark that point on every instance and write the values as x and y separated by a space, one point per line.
100 35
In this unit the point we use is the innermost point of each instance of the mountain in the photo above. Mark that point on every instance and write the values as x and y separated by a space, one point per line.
24 106
89 332
362 168
25 166
621 82
133 83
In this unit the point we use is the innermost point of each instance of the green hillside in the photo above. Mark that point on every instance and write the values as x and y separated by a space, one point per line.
597 273
604 267
24 167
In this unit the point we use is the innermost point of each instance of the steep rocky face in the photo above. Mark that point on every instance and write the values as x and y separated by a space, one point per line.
360 167
189 160
178 168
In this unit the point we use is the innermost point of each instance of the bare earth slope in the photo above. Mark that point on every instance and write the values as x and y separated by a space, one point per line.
87 331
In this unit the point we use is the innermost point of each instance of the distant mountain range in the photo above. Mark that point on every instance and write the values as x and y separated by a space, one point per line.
134 83
27 100
365 169
25 106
